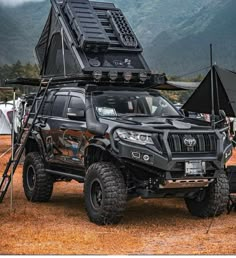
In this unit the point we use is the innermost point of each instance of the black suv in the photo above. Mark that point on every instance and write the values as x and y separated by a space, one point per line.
123 143
109 129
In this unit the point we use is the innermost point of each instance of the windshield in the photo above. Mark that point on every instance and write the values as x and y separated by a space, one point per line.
131 103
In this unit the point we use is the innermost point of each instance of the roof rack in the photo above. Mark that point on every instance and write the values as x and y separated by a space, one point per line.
90 38
155 81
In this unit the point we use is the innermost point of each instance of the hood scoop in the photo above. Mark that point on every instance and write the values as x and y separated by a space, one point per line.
180 125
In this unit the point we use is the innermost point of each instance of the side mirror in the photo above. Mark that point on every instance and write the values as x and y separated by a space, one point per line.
75 114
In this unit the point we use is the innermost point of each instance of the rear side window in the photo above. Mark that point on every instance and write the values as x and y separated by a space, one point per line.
59 106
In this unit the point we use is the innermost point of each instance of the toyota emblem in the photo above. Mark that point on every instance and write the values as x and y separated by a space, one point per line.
189 141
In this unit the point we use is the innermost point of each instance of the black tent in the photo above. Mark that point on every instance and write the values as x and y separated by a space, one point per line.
224 82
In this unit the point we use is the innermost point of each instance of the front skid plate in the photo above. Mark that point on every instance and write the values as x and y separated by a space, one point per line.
186 183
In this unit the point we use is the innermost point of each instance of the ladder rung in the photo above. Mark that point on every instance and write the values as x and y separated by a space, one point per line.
4 184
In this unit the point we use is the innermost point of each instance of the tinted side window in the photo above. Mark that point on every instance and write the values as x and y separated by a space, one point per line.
59 106
76 103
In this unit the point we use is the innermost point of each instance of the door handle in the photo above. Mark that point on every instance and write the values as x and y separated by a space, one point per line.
63 128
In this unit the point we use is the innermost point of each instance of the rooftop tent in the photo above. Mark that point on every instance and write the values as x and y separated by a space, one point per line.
224 94
82 37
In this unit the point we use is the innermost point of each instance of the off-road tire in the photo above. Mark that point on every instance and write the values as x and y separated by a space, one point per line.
215 199
38 185
105 206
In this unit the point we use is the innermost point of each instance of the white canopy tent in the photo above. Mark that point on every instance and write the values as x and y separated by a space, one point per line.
6 114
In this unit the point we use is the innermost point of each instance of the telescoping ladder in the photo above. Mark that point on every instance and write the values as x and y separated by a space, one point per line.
20 144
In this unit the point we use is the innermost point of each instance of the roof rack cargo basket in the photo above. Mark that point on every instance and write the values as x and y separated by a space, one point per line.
93 38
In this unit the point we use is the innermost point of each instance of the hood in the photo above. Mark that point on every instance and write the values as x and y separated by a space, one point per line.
158 123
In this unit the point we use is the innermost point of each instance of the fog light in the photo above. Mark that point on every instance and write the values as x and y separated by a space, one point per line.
143 77
146 158
136 155
128 76
97 75
113 76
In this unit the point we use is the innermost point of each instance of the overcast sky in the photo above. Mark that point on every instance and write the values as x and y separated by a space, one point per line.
17 2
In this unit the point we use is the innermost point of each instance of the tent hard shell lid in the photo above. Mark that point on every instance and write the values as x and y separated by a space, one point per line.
224 96
92 38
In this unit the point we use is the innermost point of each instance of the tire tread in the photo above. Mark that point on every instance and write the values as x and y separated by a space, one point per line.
44 183
114 192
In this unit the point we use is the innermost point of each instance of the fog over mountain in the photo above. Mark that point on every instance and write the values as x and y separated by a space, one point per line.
175 34
17 2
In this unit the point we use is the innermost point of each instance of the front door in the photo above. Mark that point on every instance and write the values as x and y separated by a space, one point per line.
73 135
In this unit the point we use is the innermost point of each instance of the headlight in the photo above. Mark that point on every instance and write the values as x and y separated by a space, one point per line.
224 136
135 137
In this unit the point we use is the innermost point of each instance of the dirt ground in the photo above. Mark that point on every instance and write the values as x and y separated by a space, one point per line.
149 226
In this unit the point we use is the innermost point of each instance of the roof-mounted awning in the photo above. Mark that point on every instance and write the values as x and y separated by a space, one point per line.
24 81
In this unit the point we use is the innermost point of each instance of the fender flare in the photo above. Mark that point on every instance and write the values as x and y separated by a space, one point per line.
35 136
99 144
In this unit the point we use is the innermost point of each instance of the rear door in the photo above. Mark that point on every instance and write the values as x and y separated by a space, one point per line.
53 119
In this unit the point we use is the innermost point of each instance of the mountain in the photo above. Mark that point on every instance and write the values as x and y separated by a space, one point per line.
175 34
186 46
20 28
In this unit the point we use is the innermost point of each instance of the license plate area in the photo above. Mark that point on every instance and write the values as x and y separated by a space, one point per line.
195 167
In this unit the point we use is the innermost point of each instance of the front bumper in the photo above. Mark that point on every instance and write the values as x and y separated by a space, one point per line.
147 156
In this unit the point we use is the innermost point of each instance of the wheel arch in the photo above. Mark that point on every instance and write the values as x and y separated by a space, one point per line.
98 151
35 144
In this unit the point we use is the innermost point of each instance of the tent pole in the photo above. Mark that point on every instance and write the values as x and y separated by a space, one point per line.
12 143
217 91
213 119
63 51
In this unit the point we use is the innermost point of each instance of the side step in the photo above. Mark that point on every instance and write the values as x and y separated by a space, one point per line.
66 175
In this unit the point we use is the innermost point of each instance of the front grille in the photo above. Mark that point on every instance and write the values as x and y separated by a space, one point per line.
205 143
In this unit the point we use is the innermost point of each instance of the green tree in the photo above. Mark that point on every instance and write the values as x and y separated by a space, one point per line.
14 71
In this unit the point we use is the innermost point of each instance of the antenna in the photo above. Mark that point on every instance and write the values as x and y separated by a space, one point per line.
213 118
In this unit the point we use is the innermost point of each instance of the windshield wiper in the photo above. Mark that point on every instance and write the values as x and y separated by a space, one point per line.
120 118
135 115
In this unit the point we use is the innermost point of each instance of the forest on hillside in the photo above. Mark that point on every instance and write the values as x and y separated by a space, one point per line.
14 71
